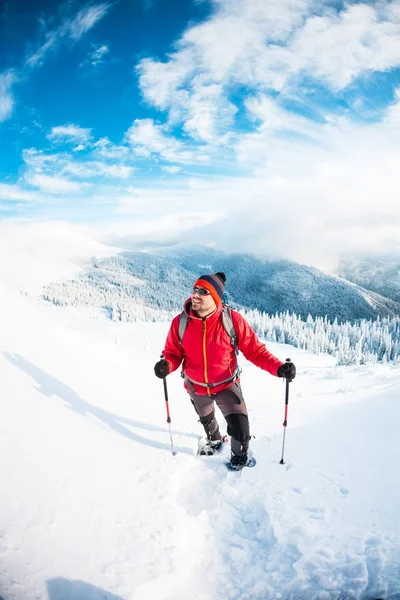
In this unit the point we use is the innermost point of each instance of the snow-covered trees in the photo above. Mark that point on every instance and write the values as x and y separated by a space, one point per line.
355 343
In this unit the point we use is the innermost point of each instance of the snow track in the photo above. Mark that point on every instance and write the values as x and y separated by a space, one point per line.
226 542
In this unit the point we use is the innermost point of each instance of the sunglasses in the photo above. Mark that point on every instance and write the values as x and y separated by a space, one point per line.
200 291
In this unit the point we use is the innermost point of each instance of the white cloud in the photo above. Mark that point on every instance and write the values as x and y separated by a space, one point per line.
37 160
221 51
48 167
12 192
173 170
6 98
313 190
72 133
52 39
207 113
337 49
267 46
90 169
295 187
272 118
53 184
72 28
97 57
147 138
160 81
106 149
86 19
159 230
315 195
118 171
391 120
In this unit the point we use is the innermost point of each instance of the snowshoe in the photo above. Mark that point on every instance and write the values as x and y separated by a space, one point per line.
211 446
237 465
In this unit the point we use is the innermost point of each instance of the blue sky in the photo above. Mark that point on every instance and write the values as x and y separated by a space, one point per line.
257 125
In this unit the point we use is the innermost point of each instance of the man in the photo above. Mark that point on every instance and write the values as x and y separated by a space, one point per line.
210 367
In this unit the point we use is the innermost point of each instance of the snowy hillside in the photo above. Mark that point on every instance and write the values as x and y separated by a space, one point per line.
33 254
63 264
95 507
159 281
379 274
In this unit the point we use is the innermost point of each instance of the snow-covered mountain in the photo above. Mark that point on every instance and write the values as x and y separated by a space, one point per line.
134 285
379 274
94 506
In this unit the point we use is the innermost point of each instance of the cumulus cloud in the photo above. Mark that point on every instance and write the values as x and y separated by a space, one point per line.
149 138
106 149
336 49
270 47
71 133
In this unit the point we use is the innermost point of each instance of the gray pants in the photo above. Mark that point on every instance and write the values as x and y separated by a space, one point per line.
233 407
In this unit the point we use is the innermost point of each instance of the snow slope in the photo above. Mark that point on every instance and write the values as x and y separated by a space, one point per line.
94 506
33 254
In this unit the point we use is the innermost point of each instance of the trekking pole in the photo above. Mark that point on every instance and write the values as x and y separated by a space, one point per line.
282 462
168 413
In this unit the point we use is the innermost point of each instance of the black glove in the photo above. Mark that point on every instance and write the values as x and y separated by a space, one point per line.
287 370
161 369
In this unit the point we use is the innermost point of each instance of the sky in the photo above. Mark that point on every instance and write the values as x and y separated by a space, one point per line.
262 126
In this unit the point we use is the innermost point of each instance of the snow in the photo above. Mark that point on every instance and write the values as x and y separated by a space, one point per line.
33 254
94 506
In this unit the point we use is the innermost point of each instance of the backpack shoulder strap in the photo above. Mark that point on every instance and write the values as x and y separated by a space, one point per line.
183 321
227 322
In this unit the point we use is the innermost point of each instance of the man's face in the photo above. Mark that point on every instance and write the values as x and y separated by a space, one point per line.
202 301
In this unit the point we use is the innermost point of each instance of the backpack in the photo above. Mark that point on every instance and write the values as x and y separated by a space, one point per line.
227 323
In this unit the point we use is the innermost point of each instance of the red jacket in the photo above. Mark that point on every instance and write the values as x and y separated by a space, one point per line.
207 352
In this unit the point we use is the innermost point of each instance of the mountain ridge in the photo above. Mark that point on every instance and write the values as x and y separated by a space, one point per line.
380 274
140 284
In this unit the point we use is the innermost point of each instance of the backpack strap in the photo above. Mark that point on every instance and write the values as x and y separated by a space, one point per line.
227 322
183 322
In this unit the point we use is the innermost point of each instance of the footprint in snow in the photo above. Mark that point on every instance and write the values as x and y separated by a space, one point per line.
316 512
